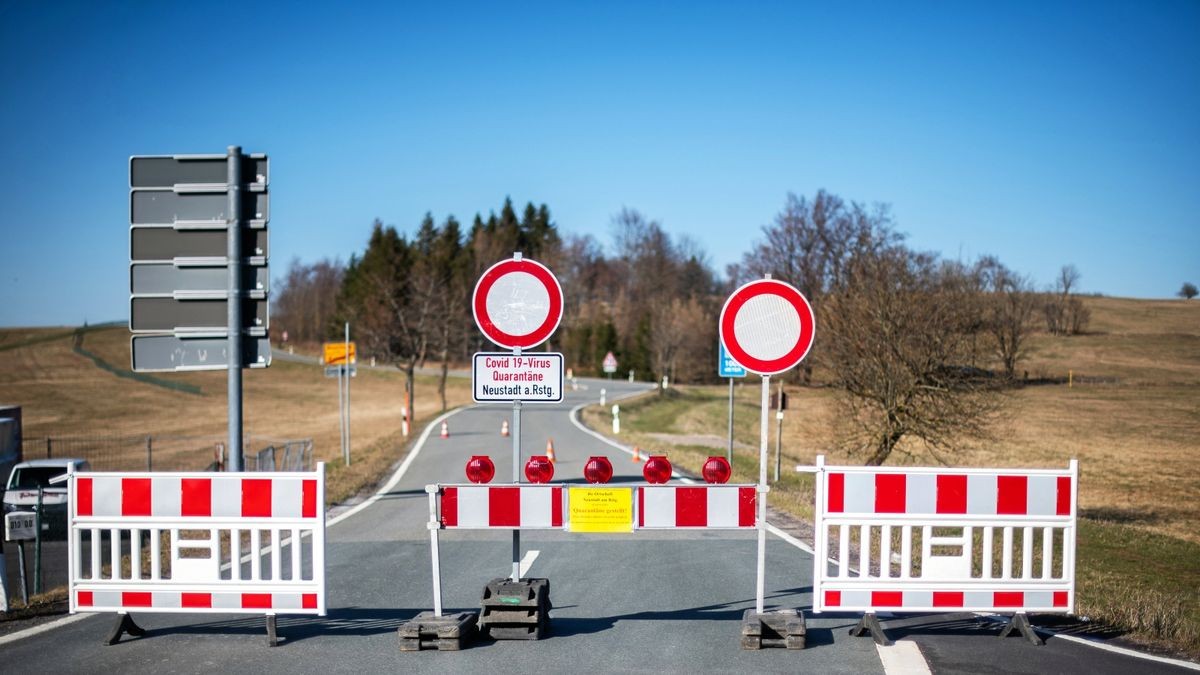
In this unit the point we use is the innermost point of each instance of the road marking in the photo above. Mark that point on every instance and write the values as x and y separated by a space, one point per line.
527 561
435 424
30 632
902 658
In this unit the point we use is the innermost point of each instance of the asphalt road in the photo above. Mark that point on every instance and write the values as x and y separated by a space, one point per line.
664 602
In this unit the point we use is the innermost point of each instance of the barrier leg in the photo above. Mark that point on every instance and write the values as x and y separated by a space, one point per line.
1020 621
870 624
124 625
272 633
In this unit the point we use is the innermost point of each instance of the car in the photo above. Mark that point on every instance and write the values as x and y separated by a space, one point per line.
21 493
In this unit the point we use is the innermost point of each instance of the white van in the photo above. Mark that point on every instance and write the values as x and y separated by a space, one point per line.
21 494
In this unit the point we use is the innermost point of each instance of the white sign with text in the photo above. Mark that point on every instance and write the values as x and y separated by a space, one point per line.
533 377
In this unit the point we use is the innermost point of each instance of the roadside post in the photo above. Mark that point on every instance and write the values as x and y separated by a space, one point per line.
198 273
19 527
340 359
767 326
728 368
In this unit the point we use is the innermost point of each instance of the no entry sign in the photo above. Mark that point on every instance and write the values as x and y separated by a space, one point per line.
767 326
517 303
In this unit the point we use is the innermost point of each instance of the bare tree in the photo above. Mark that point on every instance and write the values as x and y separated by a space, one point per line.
1065 313
898 332
1008 305
305 300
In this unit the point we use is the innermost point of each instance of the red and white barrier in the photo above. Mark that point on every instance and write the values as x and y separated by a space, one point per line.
509 507
929 539
251 543
694 507
541 507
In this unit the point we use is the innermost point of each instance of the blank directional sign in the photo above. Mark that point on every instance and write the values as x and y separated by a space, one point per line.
167 171
196 208
169 279
178 353
166 243
155 314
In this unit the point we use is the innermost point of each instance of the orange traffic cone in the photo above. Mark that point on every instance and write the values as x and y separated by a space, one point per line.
445 430
637 454
504 429
550 451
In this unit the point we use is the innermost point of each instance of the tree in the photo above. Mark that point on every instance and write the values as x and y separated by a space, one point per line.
1065 313
898 330
305 300
811 242
1008 304
391 307
1188 291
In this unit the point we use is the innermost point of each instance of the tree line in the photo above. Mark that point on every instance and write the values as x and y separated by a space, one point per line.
919 346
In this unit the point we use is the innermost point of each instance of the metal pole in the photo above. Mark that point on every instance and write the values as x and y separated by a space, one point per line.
349 365
779 433
233 255
762 495
24 577
341 417
516 477
37 546
434 526
729 450
149 453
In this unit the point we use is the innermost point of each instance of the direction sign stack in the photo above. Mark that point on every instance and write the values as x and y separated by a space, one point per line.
198 276
181 277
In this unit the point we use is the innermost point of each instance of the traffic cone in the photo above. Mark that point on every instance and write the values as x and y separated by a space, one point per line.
445 430
550 451
504 428
637 454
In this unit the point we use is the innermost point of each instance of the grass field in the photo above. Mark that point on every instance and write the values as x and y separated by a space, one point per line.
1136 436
65 393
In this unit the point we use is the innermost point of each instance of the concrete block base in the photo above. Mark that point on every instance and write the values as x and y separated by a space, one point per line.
778 628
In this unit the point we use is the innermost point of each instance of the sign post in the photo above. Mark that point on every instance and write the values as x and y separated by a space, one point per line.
728 368
767 326
339 359
198 268
517 304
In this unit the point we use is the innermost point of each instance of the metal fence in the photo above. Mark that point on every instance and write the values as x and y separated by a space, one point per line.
172 453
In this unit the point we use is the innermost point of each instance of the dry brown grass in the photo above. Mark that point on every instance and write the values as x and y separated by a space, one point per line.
64 394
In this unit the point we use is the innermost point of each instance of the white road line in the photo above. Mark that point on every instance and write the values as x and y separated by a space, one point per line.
902 658
1120 650
387 487
527 561
30 632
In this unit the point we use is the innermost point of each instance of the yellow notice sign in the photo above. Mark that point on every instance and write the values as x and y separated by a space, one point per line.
600 509
335 353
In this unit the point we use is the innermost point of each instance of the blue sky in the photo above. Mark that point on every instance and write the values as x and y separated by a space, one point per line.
1043 133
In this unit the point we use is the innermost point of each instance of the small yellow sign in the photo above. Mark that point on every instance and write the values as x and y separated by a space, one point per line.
335 353
600 509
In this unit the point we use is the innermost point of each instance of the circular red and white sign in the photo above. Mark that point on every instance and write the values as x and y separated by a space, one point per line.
767 326
517 303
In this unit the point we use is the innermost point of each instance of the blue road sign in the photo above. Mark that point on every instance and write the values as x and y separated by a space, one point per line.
726 366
